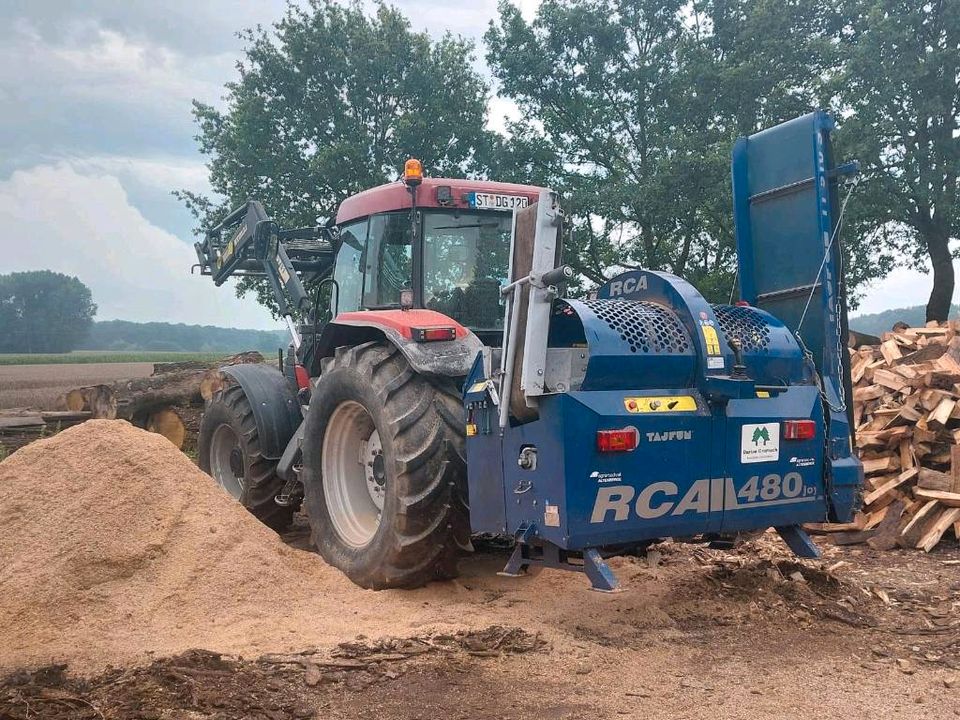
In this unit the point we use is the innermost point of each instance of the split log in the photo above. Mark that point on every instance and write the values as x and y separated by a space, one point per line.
918 525
934 480
888 530
899 480
947 499
935 531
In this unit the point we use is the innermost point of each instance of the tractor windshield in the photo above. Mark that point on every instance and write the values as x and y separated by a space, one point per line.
465 260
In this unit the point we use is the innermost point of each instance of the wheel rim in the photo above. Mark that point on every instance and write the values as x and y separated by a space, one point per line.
226 460
354 474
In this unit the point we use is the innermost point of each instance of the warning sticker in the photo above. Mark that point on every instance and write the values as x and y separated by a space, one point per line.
711 339
760 443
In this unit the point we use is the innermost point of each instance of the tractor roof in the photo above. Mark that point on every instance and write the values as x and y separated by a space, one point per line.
394 196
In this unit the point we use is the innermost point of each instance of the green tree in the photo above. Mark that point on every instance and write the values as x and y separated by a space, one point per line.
900 86
631 108
43 312
330 102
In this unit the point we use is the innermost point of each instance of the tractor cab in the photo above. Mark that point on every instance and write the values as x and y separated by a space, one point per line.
434 243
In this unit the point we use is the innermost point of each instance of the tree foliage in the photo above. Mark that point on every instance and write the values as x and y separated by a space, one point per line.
43 312
331 101
900 90
628 107
631 107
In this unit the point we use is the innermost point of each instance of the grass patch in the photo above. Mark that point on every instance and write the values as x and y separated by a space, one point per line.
82 357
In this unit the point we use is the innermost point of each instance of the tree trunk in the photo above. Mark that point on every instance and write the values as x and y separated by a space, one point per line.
938 307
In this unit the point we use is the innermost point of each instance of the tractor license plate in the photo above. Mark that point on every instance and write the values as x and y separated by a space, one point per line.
492 201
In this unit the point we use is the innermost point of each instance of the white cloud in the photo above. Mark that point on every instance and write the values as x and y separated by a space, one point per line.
902 288
164 173
84 225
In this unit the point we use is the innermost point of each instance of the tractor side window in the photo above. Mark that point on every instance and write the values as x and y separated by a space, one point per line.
349 269
390 239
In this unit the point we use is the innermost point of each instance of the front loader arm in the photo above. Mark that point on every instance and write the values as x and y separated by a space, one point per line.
248 243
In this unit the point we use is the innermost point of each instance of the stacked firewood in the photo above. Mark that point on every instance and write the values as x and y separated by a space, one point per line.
906 409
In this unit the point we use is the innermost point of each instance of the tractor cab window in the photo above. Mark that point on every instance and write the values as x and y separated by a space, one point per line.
390 271
465 262
349 268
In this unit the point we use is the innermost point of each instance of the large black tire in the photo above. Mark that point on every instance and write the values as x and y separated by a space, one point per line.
252 480
424 522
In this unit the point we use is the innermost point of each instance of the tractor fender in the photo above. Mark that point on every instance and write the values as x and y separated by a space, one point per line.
447 358
276 410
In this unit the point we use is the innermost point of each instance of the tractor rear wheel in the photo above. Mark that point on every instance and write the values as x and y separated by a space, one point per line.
229 451
383 469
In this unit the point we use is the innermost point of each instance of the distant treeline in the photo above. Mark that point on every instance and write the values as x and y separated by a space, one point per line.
882 322
169 337
131 336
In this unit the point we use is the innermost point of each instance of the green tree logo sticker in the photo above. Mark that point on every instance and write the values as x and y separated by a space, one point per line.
759 434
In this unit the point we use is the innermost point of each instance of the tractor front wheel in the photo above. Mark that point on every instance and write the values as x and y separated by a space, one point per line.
229 451
383 469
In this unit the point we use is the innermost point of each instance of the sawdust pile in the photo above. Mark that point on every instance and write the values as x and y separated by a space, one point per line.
112 541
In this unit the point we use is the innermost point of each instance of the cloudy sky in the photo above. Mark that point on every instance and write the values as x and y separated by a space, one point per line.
97 130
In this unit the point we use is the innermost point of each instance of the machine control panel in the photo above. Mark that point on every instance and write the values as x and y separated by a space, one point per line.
660 403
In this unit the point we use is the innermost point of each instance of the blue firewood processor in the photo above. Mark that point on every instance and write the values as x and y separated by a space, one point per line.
441 385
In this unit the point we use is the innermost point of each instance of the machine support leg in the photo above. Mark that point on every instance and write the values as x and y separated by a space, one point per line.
798 541
599 573
518 563
546 554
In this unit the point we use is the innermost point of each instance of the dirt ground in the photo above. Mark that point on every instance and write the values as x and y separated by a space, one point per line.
40 386
695 634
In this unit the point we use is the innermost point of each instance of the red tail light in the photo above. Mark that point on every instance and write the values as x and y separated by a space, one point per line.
433 334
617 440
799 430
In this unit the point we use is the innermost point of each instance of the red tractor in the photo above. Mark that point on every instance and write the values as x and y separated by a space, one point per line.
364 425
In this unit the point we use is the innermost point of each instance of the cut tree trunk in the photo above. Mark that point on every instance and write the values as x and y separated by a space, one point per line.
167 422
140 398
98 400
153 402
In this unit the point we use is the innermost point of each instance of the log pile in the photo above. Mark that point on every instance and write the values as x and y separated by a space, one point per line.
169 402
19 427
906 408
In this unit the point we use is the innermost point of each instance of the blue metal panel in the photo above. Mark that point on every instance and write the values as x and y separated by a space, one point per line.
682 298
632 344
770 351
784 218
790 263
486 490
783 490
686 477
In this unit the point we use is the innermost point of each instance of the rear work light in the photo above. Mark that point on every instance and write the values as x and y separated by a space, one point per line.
433 334
799 430
623 440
